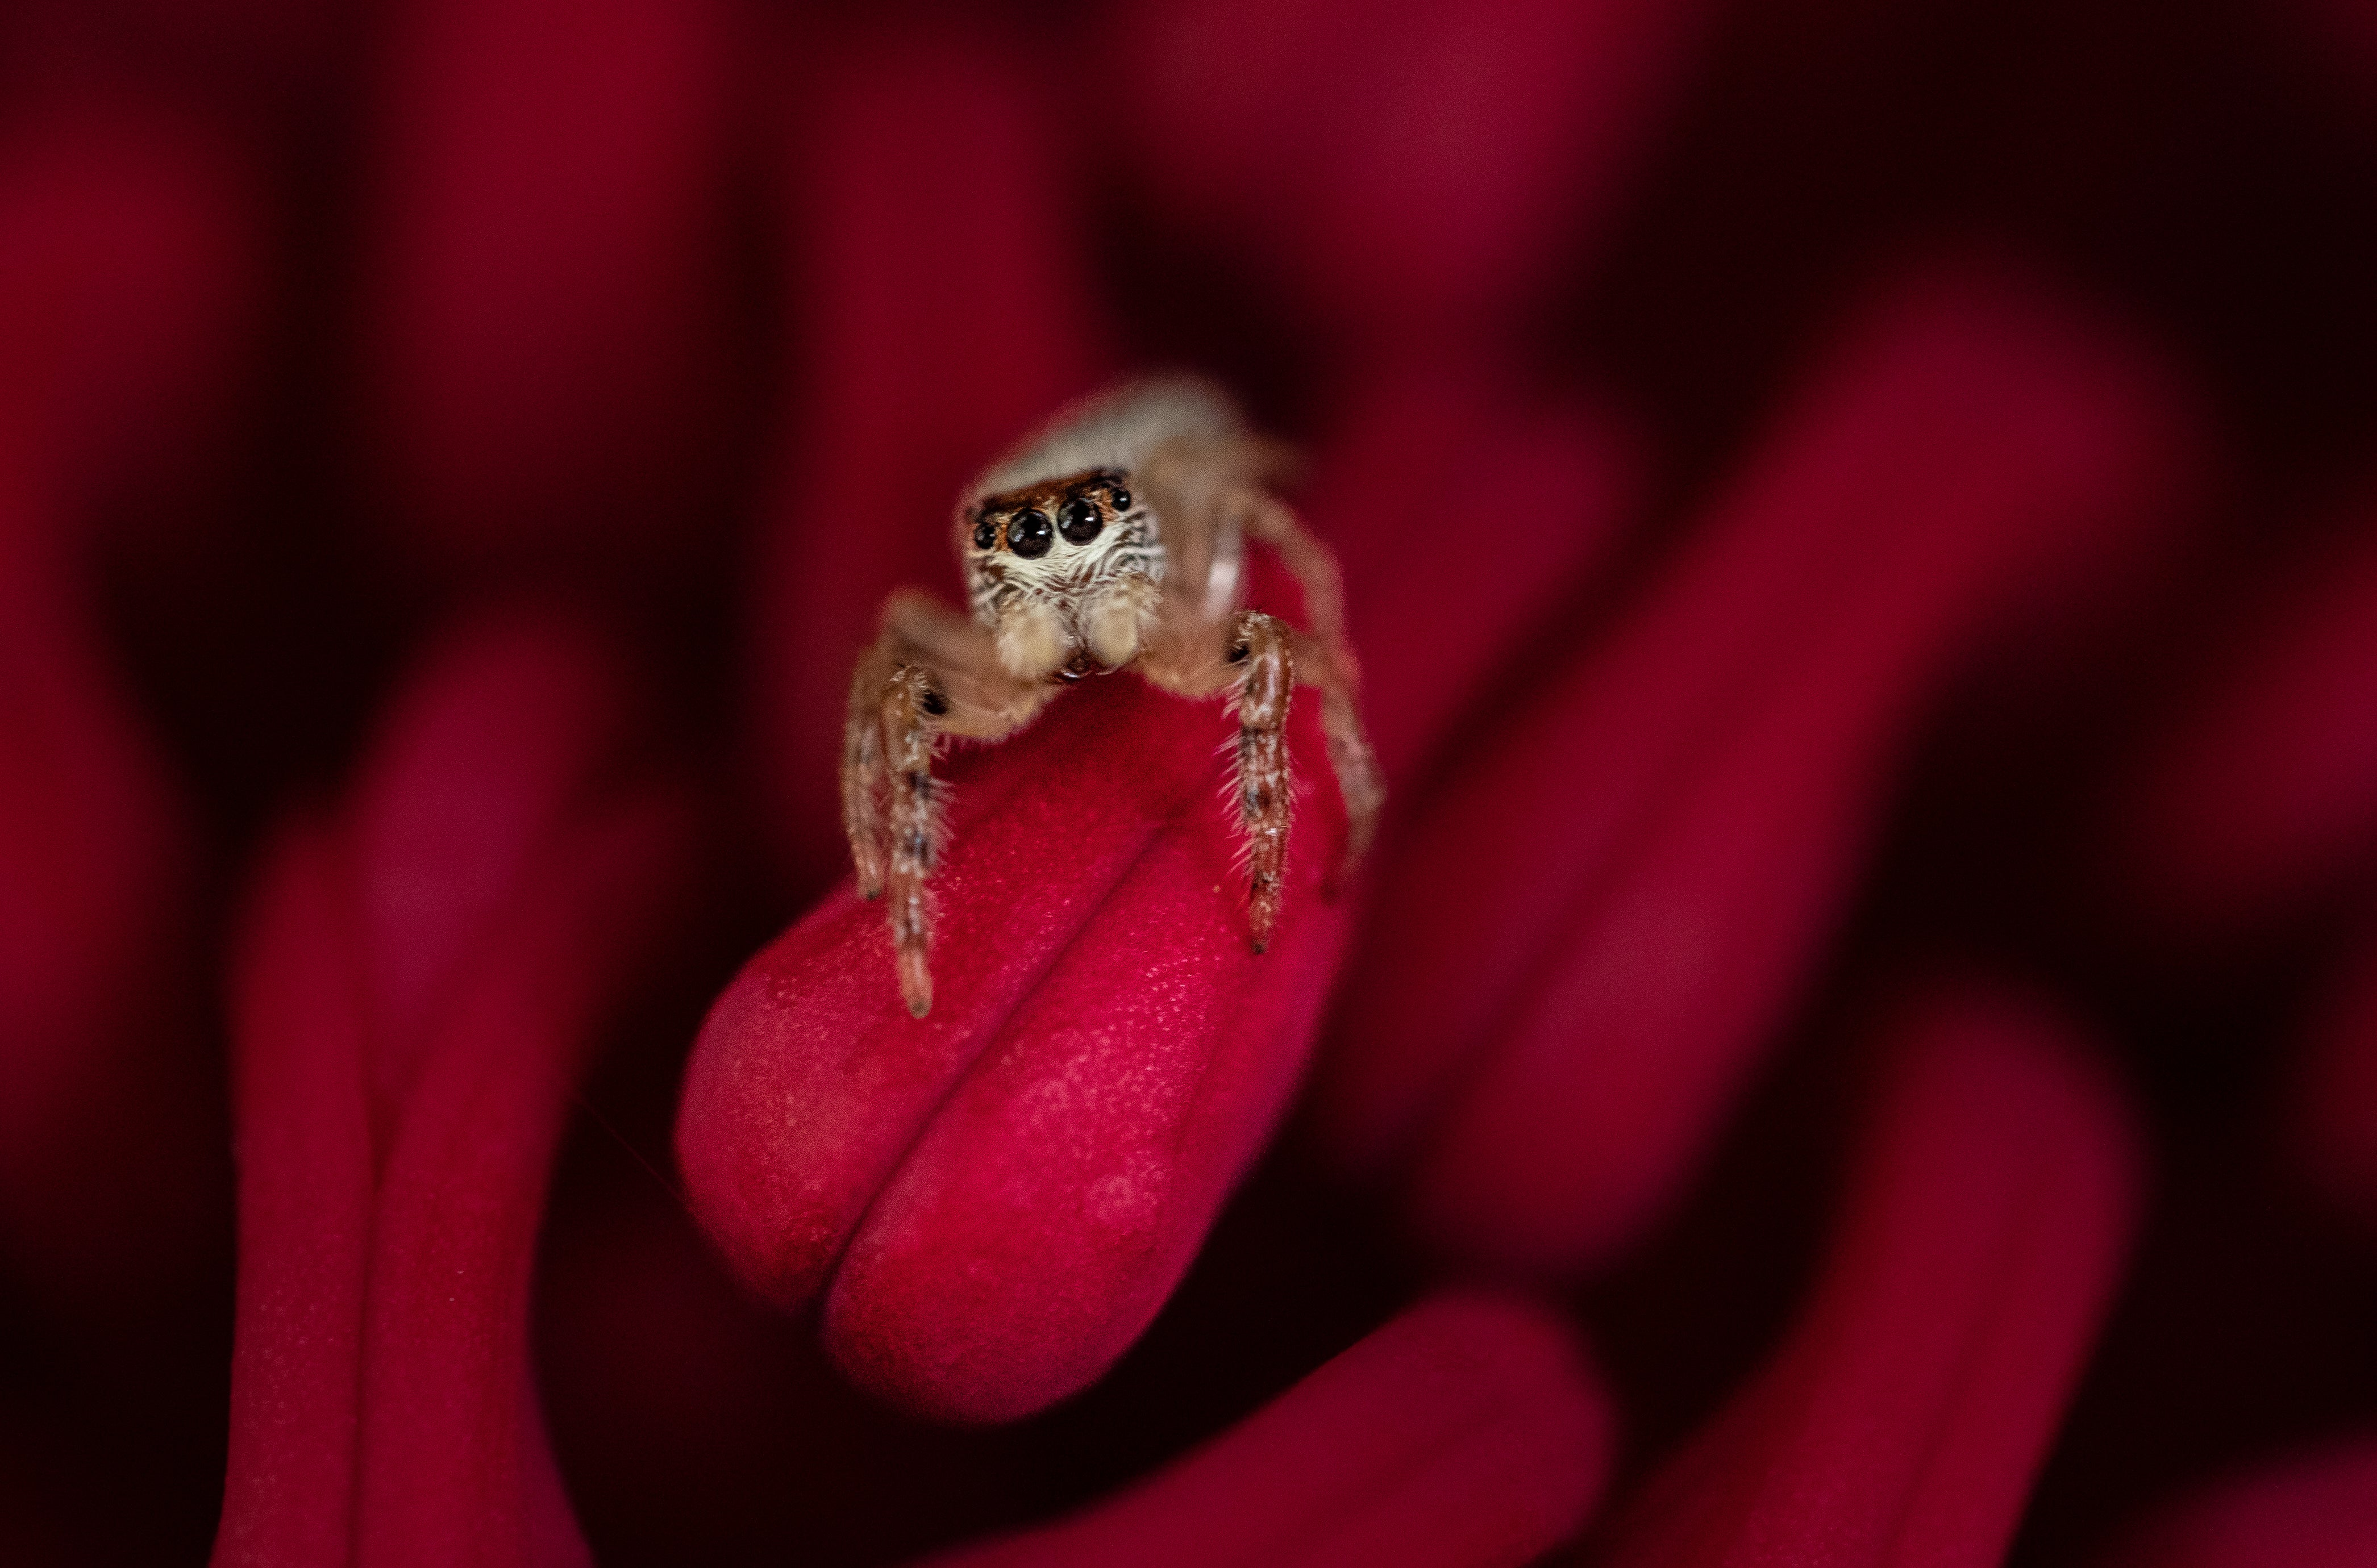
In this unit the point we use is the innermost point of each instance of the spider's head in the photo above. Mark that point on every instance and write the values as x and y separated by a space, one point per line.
1062 572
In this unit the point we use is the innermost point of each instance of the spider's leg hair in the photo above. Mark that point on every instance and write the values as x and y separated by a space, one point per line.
917 830
1264 798
1327 660
863 777
1359 782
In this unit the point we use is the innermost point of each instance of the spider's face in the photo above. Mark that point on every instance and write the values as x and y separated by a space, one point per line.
1063 573
1042 560
1060 516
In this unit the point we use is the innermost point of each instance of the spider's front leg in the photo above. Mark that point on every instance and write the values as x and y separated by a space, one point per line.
1328 663
1256 659
913 825
932 672
861 773
1260 645
890 806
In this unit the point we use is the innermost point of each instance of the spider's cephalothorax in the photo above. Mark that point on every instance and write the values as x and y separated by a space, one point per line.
1065 572
1114 538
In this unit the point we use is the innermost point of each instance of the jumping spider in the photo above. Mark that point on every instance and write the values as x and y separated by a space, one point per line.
1113 539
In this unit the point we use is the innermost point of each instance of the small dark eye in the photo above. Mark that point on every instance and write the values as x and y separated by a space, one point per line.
1028 533
1120 498
986 531
1077 519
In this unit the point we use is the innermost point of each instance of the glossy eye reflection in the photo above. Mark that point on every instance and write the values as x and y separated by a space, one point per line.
986 531
1028 533
1077 519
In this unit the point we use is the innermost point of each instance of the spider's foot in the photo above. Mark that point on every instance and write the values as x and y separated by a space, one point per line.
917 983
1262 910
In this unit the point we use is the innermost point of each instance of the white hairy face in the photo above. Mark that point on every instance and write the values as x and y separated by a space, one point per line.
1064 569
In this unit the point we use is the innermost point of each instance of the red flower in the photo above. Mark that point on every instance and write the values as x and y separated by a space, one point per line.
999 1196
1901 1417
2260 798
125 276
1465 1430
1670 830
1742 611
2316 1510
421 978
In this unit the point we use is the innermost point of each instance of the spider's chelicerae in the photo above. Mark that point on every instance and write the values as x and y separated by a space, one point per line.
1114 538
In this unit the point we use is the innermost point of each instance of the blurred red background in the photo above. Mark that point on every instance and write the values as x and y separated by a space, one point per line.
1839 503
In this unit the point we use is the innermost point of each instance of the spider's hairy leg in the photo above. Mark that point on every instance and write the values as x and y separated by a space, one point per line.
862 780
932 672
1359 783
1271 521
1326 660
913 824
1260 645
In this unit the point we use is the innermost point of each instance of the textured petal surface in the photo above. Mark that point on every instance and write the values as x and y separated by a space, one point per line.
1019 1178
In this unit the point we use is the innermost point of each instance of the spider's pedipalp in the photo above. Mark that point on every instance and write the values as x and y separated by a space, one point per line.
1030 639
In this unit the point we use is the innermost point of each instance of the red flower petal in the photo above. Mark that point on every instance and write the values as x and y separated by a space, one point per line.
1903 1416
937 305
549 270
1019 1178
2315 1511
1428 464
2269 789
130 284
2335 1088
1669 829
407 1035
1467 1432
306 1175
1404 165
454 1464
126 271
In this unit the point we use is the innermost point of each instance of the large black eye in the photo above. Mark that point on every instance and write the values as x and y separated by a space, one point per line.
1028 532
985 532
1077 519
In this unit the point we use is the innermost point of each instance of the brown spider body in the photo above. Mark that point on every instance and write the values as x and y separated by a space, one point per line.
1114 538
